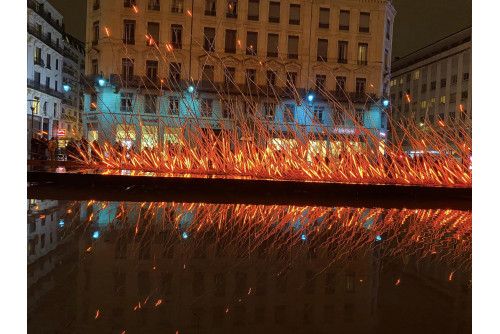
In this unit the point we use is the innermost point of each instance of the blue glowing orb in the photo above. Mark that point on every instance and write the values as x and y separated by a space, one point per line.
95 235
190 89
378 238
61 223
385 103
310 97
303 237
66 88
102 82
184 235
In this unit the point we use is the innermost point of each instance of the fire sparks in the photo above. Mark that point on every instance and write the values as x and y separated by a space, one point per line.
106 30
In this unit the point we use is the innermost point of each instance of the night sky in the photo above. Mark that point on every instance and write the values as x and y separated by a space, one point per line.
417 24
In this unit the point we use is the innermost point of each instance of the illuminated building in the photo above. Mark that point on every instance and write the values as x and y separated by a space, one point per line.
73 69
45 62
432 87
223 62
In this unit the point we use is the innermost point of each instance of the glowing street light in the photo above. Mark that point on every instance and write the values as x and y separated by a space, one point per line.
385 103
191 89
66 87
102 82
310 97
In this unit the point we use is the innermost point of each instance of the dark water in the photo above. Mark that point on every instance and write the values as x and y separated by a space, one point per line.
122 267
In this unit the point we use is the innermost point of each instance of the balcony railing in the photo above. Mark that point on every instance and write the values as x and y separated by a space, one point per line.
272 54
321 58
274 19
45 15
294 22
130 41
231 15
230 50
153 6
362 62
342 61
39 61
364 29
293 56
341 27
253 17
324 25
210 13
44 38
44 89
177 10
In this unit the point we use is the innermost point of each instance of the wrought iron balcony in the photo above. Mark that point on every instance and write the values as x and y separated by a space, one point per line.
44 89
274 19
253 17
324 25
45 38
32 4
341 27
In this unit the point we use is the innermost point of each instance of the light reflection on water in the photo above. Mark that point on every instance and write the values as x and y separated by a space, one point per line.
212 268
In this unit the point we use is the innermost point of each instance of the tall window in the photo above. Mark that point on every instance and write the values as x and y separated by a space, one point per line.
154 4
173 105
322 50
126 102
272 45
127 67
364 22
252 38
250 74
210 7
324 18
152 69
175 72
342 55
253 10
293 47
443 83
177 6
294 14
271 78
229 75
320 82
291 81
274 12
95 68
129 32
344 20
206 107
150 103
153 33
207 74
38 56
95 4
360 85
340 83
318 113
209 43
49 61
289 113
232 9
128 3
95 33
388 29
176 36
230 43
362 53
269 110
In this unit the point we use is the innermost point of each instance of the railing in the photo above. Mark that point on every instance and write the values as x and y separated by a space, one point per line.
294 22
362 62
324 25
230 50
342 61
341 27
231 15
272 54
321 58
364 29
130 41
44 38
70 56
293 56
251 52
177 10
274 19
45 15
44 89
39 61
210 13
253 17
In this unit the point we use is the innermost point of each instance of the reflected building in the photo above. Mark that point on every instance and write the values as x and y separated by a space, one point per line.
139 279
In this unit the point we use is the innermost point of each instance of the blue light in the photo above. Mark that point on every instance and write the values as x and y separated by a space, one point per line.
66 87
184 235
95 235
385 103
61 223
303 237
102 82
190 89
378 238
310 97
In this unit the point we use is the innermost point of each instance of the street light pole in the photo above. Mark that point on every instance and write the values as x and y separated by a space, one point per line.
32 107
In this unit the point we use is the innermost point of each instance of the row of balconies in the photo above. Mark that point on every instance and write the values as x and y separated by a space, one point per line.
202 86
45 38
37 8
44 89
